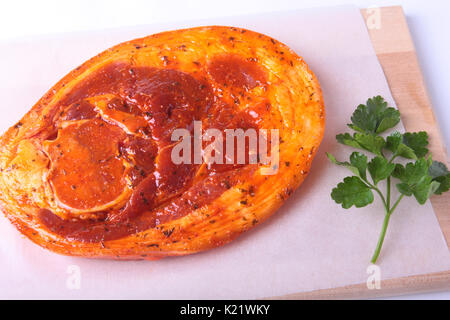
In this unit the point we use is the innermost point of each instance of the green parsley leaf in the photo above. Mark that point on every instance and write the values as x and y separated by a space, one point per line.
406 152
380 169
439 173
424 189
374 144
412 173
374 117
359 161
437 169
341 163
416 180
405 189
352 192
348 140
417 141
394 143
444 184
357 165
369 142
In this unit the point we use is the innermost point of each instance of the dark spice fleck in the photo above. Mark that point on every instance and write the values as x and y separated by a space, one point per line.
165 60
168 233
251 191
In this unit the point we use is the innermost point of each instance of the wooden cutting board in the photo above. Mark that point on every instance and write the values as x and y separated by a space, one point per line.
395 50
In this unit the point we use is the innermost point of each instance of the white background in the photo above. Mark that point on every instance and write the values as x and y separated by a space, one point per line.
428 21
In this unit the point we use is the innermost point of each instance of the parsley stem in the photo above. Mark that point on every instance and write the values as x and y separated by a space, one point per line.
384 228
380 194
388 192
373 187
381 237
393 157
396 203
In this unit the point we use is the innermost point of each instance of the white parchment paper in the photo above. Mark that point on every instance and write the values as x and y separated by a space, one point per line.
310 243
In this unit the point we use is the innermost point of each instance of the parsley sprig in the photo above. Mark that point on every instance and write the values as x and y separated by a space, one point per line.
421 178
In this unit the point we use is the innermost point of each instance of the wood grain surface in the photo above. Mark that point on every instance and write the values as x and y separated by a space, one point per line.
395 50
